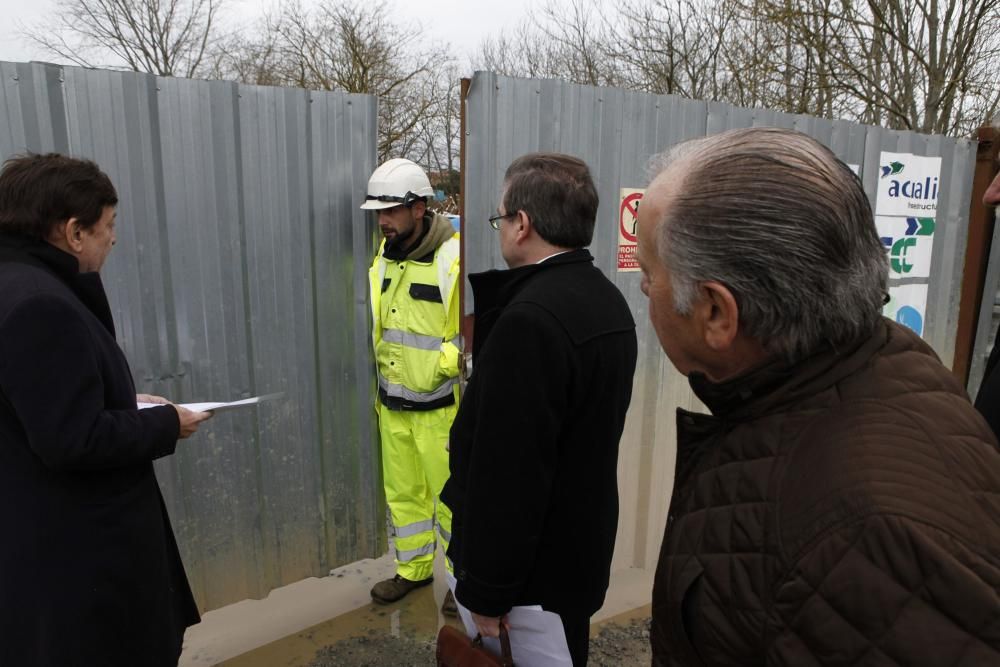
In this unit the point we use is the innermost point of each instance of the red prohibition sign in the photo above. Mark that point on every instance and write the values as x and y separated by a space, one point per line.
630 204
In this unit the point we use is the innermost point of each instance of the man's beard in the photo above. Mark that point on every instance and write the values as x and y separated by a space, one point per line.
398 242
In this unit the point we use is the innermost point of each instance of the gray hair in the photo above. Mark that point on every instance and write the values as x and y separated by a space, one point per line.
774 216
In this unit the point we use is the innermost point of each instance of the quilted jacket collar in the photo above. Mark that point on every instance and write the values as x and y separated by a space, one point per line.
777 383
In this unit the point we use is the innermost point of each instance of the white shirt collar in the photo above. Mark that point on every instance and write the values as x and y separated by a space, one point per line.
555 254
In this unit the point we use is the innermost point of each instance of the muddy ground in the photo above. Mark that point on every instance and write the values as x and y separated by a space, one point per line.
615 645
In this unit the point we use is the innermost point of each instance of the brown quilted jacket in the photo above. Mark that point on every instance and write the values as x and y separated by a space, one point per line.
842 511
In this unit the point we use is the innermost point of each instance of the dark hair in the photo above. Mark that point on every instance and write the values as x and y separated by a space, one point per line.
37 192
557 193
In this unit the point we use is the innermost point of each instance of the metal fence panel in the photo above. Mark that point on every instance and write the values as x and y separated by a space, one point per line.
616 132
240 269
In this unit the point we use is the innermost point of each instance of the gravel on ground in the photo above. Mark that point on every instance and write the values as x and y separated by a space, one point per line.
616 645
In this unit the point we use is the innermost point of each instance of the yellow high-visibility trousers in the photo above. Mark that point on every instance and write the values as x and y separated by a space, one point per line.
414 470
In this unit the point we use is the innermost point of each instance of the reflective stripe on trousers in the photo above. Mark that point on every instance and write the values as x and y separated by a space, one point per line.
409 555
415 468
413 528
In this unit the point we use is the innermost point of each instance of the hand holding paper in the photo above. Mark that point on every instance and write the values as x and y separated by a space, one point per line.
190 420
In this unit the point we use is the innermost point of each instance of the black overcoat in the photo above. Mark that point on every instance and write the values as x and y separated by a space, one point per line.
534 446
89 569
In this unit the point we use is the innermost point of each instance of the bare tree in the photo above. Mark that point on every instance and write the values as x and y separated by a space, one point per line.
437 138
924 65
517 52
357 48
168 37
253 54
673 47
438 146
566 41
352 47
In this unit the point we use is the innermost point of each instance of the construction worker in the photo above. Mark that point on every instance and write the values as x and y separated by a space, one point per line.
415 311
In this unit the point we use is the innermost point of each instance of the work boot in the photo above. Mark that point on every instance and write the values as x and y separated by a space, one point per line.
449 607
396 588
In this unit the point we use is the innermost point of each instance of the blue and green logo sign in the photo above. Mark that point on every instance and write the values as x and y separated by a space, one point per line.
898 247
910 317
892 169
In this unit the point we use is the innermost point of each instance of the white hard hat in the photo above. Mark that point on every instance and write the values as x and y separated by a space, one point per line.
398 181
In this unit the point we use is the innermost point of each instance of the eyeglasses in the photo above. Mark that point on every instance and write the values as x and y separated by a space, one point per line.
495 220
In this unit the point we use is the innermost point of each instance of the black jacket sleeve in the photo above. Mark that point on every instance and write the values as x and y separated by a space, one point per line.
521 380
51 375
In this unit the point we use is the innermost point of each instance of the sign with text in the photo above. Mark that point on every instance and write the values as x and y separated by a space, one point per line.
628 226
908 185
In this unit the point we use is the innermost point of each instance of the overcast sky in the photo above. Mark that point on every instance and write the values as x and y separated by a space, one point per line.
462 23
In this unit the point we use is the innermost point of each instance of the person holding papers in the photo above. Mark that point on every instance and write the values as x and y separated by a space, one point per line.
90 573
534 447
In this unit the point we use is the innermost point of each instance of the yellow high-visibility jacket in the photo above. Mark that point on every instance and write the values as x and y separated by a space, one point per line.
415 331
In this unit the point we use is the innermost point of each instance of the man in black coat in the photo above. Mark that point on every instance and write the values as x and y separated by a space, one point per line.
534 447
988 398
90 574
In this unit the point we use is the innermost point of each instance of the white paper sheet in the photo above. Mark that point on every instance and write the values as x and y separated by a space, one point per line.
537 638
218 406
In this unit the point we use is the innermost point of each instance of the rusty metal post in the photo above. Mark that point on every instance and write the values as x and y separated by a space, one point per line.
468 322
977 252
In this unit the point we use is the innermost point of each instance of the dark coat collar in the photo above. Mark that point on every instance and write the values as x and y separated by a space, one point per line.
38 253
86 286
495 288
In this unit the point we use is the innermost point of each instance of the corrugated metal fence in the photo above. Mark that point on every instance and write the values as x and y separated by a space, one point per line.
240 269
616 132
